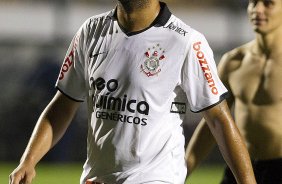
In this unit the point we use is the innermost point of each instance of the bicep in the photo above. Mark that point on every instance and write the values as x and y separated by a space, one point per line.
61 109
219 119
51 125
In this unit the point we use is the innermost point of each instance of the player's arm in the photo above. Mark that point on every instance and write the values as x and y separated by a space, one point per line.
50 127
230 142
202 141
200 145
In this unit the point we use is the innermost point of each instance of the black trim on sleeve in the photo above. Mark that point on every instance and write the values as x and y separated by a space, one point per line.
68 95
221 98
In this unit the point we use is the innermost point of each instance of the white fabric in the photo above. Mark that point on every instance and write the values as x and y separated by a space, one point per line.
137 100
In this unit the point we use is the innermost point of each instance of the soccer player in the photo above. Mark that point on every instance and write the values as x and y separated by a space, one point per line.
252 73
137 66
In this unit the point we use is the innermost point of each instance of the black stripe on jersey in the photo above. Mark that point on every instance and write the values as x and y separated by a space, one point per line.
98 29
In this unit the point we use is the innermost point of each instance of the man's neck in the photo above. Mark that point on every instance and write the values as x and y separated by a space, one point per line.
270 43
137 15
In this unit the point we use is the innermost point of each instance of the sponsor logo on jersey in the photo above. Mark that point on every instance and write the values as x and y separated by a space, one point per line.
177 29
205 67
151 65
178 107
112 107
66 65
69 59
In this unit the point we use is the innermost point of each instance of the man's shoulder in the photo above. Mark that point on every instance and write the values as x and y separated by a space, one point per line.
232 59
97 21
110 13
178 21
100 17
238 53
182 31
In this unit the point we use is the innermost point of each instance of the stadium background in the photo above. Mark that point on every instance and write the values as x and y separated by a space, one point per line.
34 37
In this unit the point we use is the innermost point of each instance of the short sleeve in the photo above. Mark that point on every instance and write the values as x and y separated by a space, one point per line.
200 80
71 79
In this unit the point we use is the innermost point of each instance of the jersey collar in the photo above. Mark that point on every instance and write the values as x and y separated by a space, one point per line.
160 20
163 16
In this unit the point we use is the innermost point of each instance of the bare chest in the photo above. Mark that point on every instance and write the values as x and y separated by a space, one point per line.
257 81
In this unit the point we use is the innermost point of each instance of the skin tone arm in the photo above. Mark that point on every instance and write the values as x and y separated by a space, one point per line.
50 127
229 140
201 143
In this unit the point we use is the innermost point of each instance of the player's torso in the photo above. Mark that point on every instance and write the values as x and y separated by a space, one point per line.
133 82
138 68
256 85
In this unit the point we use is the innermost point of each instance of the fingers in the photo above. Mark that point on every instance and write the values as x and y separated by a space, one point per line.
20 176
15 178
20 180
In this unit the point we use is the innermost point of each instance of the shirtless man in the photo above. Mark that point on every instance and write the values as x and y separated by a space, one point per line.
252 73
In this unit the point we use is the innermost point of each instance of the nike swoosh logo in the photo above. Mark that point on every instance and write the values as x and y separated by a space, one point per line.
97 54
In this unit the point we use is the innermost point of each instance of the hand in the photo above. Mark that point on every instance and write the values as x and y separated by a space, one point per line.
23 174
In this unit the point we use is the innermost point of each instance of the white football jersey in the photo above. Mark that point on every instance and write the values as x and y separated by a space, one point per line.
138 87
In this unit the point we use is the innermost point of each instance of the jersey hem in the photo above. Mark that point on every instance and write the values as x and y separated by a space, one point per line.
221 98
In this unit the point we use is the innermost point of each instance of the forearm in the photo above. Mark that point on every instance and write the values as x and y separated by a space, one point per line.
39 143
236 155
49 128
200 145
230 143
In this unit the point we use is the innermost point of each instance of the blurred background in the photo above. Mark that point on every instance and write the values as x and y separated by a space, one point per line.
34 37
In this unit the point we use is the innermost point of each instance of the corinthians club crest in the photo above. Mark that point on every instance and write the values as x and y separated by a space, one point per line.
151 65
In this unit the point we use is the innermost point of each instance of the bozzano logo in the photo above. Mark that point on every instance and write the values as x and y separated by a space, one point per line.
205 67
67 64
69 59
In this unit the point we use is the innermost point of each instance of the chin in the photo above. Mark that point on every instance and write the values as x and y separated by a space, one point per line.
260 31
